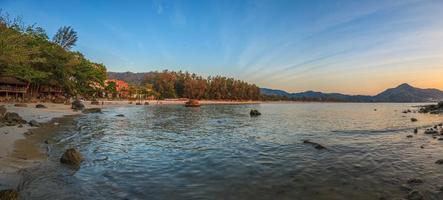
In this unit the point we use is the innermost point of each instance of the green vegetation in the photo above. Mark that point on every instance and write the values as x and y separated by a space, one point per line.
27 53
170 84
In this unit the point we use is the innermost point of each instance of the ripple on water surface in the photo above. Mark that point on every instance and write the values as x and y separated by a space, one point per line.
219 152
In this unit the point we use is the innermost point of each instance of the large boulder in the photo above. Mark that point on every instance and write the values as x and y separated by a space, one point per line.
254 113
77 105
40 106
72 157
8 194
12 119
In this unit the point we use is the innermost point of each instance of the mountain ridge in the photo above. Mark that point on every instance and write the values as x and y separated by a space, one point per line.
402 93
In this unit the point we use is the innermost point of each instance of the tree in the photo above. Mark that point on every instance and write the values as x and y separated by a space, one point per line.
66 37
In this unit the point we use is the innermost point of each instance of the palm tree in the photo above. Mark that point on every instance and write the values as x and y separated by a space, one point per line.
65 37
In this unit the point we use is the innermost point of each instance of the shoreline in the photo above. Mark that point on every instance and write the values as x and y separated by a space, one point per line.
11 137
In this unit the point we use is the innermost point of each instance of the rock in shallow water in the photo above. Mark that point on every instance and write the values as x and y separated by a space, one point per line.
8 194
72 157
440 162
415 181
414 119
414 195
40 106
316 145
254 113
34 123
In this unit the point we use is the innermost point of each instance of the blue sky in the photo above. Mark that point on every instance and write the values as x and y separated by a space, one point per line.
356 47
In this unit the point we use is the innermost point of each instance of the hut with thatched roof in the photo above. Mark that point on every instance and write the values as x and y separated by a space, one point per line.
12 87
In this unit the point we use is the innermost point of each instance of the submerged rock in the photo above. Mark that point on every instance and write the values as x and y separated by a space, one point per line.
8 194
415 181
440 162
414 195
72 157
316 145
40 106
254 113
34 123
92 110
120 115
77 105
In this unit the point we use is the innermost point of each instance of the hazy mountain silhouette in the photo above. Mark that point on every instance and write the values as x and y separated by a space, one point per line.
402 93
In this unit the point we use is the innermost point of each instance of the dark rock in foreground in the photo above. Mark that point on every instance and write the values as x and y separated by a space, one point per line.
254 113
8 194
12 119
120 115
316 145
72 157
77 105
432 109
440 162
40 106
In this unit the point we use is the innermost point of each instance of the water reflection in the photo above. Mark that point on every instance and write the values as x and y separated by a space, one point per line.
219 152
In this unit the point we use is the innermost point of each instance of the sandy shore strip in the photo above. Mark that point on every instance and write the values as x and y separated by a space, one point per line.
9 135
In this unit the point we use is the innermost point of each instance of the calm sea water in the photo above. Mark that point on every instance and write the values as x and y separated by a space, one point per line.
220 152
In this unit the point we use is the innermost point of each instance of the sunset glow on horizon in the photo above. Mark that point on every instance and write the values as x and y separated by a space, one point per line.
352 47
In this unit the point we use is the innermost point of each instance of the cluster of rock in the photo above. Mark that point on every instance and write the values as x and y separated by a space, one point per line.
77 105
432 109
11 119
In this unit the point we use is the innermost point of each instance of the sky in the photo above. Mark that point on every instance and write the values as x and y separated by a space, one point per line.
353 47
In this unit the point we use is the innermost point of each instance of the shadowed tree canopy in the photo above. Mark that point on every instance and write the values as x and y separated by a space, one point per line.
65 37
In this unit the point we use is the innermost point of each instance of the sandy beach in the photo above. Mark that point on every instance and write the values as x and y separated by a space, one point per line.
10 136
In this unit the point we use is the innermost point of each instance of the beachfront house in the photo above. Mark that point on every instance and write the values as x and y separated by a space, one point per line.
120 89
12 88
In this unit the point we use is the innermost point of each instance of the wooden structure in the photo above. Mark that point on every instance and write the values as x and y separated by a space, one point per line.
12 87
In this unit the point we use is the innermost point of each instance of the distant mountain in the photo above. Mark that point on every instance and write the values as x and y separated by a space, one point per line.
407 93
129 77
402 93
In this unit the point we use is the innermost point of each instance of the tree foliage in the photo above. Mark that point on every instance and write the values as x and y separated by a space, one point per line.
26 53
66 37
170 84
